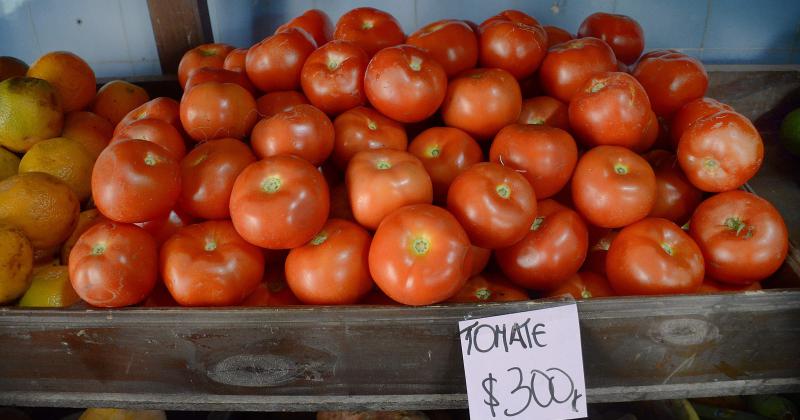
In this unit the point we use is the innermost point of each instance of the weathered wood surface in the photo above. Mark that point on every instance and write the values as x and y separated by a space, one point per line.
178 25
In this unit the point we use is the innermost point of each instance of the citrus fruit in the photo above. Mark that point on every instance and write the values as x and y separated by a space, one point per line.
72 78
12 67
86 219
63 158
89 129
16 263
790 132
50 287
116 98
9 164
29 112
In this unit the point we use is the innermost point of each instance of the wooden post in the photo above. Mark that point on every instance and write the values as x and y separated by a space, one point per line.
178 25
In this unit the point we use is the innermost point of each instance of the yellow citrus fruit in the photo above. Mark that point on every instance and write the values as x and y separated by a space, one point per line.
65 159
12 67
89 129
120 414
43 207
116 98
9 164
71 76
16 263
50 287
86 219
29 113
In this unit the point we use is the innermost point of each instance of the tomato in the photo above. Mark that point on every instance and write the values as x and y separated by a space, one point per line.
113 265
235 59
676 197
273 291
622 33
512 46
162 228
217 110
567 66
315 22
363 128
332 268
742 236
495 204
654 257
450 42
369 28
209 264
164 109
671 79
279 202
206 55
721 152
691 112
556 35
383 180
420 255
445 152
489 288
653 134
405 83
480 259
333 77
545 156
212 74
275 62
482 101
207 176
340 203
583 285
596 258
551 251
303 131
159 297
159 132
135 181
544 110
275 102
713 286
510 15
613 186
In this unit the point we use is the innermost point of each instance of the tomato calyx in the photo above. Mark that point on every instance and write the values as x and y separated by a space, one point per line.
620 169
98 249
202 158
271 184
597 87
207 53
738 226
415 63
483 294
150 159
667 248
586 294
319 239
710 164
333 63
367 24
537 223
434 151
210 245
372 125
383 165
535 121
420 246
503 190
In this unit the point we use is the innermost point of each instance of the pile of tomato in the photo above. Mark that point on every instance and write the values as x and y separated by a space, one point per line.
463 162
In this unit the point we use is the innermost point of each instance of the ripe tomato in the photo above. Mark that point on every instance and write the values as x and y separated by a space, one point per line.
207 176
234 61
583 285
671 79
545 156
544 110
482 101
598 249
164 109
653 134
450 42
552 250
691 112
489 288
480 259
556 35
315 22
620 32
445 152
405 83
495 204
159 132
369 28
113 265
713 286
333 77
654 257
273 291
303 131
383 180
209 264
332 268
420 255
206 55
364 129
275 102
217 110
219 75
275 62
567 66
510 15
135 181
676 197
340 203
613 186
610 108
721 152
162 228
742 236
512 46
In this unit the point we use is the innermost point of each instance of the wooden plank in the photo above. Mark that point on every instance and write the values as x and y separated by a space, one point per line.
178 25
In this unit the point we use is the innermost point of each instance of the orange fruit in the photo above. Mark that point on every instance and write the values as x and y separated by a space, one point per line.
65 159
16 263
29 112
71 76
86 219
12 67
50 287
116 98
41 205
89 129
9 164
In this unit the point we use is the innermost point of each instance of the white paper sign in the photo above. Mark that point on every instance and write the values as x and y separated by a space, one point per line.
525 365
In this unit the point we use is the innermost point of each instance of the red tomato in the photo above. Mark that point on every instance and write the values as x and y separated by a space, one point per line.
544 110
275 62
273 291
654 257
512 46
303 131
676 197
671 80
545 156
420 255
209 264
333 77
207 176
164 109
234 61
113 265
556 35
383 180
489 288
340 203
721 152
135 181
567 66
596 258
159 132
742 236
162 228
713 286
405 83
206 55
510 15
691 112
219 75
315 22
275 102
480 259
369 28
495 204
583 285
613 187
610 108
482 101
365 129
332 268
552 250
217 110
450 42
445 152
622 33
651 135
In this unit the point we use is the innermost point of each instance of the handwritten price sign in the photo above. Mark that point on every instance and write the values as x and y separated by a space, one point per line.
524 365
